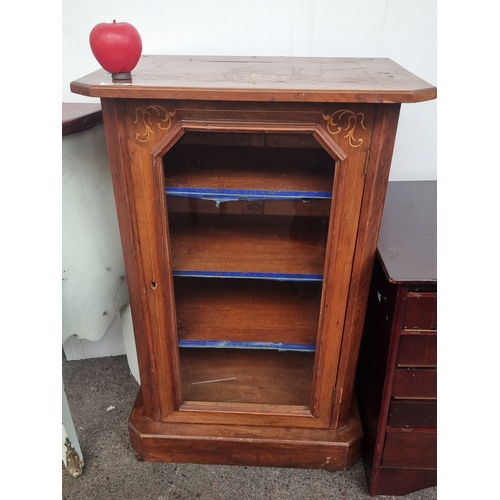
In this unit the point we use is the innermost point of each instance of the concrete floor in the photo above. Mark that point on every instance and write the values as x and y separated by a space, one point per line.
101 393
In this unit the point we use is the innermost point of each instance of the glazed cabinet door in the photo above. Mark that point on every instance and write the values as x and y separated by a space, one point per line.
239 226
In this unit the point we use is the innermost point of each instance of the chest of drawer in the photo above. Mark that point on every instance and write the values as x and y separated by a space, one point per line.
397 375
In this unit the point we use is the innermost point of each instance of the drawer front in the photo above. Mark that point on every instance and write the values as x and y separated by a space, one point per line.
410 449
414 384
420 311
417 350
403 481
420 414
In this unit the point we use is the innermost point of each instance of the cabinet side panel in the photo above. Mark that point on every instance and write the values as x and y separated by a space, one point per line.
115 136
372 373
377 176
135 217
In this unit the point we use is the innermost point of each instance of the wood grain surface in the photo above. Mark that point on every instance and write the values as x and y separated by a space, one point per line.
291 79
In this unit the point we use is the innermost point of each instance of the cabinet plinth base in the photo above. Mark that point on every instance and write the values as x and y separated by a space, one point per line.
245 445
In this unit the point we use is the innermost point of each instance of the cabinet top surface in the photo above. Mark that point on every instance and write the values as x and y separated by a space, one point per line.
407 243
303 79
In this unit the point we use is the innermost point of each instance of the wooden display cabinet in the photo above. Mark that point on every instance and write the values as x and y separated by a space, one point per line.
249 195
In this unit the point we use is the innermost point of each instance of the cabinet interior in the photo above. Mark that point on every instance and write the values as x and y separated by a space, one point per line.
248 218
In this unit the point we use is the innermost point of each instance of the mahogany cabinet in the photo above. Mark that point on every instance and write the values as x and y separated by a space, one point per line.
397 367
249 194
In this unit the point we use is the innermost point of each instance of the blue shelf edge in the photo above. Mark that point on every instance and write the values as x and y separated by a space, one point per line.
224 195
217 344
243 275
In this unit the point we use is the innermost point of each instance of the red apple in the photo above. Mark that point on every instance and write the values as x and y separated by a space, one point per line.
116 46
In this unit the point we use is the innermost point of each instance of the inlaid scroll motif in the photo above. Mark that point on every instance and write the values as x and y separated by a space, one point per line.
151 117
347 121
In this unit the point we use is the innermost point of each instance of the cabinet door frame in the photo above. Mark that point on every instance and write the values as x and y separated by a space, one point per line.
141 133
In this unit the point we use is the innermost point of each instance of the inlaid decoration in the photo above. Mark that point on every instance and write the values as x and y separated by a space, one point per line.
151 117
345 120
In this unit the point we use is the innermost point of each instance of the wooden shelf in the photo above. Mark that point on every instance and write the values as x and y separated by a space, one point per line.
306 172
246 376
247 310
278 245
210 203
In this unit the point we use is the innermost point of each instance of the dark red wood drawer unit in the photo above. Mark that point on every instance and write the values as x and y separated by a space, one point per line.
396 380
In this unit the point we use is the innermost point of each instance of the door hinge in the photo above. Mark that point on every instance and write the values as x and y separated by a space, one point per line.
366 162
333 395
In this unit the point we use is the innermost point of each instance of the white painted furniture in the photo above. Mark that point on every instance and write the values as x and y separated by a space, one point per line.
94 286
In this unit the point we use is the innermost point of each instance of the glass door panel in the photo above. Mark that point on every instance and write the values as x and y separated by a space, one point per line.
248 222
